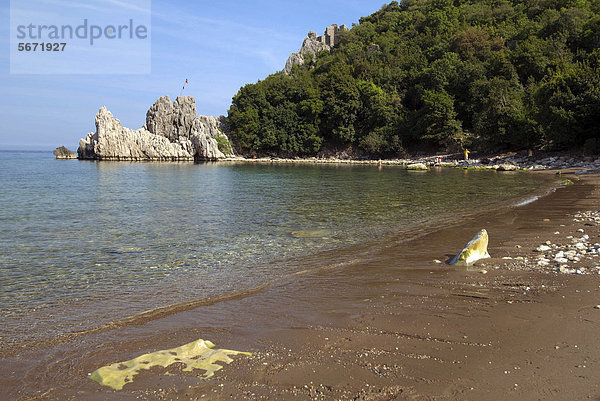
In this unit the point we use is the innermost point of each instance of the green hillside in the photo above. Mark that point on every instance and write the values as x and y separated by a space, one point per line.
437 75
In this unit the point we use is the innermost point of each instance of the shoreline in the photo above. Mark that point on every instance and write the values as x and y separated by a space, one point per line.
328 304
507 161
492 331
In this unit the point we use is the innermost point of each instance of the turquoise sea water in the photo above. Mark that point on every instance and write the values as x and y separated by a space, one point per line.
85 243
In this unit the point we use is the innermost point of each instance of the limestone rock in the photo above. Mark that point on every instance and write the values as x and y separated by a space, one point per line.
184 113
203 136
476 249
64 153
310 45
171 132
112 141
171 120
314 44
159 118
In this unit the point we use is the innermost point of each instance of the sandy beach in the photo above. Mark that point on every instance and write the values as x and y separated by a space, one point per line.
391 324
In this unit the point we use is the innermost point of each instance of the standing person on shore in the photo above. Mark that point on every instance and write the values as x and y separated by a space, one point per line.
467 154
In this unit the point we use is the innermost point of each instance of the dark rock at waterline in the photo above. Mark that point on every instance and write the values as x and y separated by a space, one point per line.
64 153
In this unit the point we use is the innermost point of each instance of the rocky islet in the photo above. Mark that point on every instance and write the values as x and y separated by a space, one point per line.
173 132
64 153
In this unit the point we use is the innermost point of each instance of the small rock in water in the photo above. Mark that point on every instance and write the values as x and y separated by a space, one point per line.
417 166
64 153
437 261
580 230
597 307
542 248
556 232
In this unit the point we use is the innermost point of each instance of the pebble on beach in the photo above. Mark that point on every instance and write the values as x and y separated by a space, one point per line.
577 255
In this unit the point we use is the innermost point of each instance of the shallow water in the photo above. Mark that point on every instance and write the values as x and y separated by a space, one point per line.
85 243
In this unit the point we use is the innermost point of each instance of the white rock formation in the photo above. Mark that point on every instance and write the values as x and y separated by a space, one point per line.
171 132
311 44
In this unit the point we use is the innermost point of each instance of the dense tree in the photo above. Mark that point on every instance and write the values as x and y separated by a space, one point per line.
502 74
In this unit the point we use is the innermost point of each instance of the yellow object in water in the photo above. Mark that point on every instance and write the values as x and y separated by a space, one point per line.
195 355
476 249
310 233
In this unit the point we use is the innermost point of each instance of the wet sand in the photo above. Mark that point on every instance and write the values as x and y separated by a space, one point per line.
390 324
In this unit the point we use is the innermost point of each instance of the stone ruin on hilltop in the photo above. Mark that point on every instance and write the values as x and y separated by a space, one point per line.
314 44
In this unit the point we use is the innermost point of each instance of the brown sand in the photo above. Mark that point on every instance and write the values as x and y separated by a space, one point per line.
374 329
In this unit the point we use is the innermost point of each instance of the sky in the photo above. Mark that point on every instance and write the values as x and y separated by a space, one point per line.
218 46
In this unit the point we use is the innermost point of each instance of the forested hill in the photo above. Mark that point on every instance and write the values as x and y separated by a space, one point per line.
437 74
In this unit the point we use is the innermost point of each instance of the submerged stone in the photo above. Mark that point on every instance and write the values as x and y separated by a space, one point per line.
198 354
310 233
417 167
476 249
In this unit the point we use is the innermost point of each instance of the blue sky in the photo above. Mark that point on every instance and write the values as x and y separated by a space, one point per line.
217 46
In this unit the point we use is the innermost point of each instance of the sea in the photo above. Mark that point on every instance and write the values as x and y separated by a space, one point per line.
85 243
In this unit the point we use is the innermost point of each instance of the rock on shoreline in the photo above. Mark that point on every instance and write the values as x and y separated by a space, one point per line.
172 133
506 163
475 250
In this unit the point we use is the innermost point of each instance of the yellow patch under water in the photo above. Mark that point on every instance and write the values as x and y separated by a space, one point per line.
195 355
310 233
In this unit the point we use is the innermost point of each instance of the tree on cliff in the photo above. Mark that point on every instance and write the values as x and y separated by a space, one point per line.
494 75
